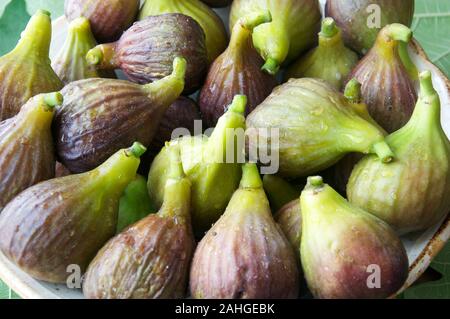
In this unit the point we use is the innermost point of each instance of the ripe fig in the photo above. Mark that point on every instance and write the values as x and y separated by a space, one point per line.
212 25
330 61
65 221
61 170
212 164
410 194
291 32
316 127
70 64
30 63
91 126
218 3
387 78
279 191
289 217
145 51
26 147
108 18
245 255
347 253
236 71
361 20
151 258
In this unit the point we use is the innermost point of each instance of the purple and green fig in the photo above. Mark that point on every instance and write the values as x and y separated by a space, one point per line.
145 52
90 126
245 255
412 192
29 61
108 18
347 253
289 217
65 221
237 71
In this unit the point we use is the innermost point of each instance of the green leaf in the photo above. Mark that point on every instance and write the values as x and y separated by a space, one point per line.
56 7
14 20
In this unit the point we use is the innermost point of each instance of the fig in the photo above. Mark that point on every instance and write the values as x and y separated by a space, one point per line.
90 126
387 86
70 64
145 52
347 253
61 170
291 32
411 193
26 146
212 164
330 61
361 20
108 18
135 204
29 62
236 71
212 25
151 258
289 217
315 125
279 191
245 255
218 3
64 221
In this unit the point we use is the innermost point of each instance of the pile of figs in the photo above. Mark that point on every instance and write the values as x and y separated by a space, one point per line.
241 191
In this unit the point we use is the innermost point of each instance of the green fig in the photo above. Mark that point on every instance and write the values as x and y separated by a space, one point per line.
279 191
70 64
26 147
245 255
411 193
311 126
151 258
291 32
330 61
289 217
347 253
26 70
216 34
212 165
64 221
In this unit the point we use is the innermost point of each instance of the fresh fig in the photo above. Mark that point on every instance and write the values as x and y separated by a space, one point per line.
347 253
245 255
289 217
291 32
330 61
151 258
387 86
26 147
145 52
361 20
91 125
212 164
410 194
70 64
218 3
64 221
212 25
316 127
279 191
61 170
109 18
26 70
236 71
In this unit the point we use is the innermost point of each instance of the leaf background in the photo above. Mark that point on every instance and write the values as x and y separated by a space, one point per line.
431 27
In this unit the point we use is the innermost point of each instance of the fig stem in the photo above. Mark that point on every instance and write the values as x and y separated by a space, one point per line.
80 24
352 91
271 66
238 105
253 20
383 151
175 166
95 56
36 37
42 11
329 28
426 84
315 182
137 150
407 61
250 176
52 99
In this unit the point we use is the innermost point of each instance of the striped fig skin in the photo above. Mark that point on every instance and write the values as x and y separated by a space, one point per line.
289 217
108 18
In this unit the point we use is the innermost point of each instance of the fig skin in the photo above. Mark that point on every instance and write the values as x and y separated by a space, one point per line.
151 258
279 192
212 25
245 255
410 194
387 78
108 18
26 146
29 61
291 32
352 18
317 126
91 126
218 3
65 221
236 71
145 52
289 217
340 242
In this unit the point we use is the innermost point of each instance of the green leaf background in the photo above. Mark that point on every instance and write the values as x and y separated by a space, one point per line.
431 27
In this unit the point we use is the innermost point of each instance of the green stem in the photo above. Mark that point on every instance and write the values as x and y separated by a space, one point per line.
407 61
103 56
52 99
314 182
238 105
175 165
383 151
271 66
398 32
352 91
136 150
36 37
253 20
250 176
329 28
426 85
